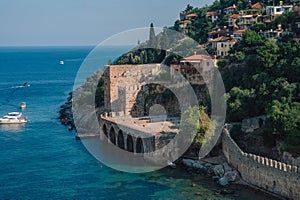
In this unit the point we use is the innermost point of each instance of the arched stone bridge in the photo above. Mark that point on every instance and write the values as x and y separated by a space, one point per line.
136 135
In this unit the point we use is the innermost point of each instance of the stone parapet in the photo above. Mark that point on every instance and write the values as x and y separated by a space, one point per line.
265 173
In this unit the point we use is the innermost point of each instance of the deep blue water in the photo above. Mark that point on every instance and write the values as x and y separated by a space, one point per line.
42 160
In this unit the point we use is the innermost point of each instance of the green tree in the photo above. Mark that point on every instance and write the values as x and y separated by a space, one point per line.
197 121
257 27
268 53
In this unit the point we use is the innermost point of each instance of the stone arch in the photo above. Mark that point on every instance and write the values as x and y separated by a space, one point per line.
112 135
120 140
104 128
129 143
139 146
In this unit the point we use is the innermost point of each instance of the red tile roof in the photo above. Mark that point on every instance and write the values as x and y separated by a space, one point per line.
196 57
212 13
192 15
187 21
230 7
234 16
240 31
220 39
257 5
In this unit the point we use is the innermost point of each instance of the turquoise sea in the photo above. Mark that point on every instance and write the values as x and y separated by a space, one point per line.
42 160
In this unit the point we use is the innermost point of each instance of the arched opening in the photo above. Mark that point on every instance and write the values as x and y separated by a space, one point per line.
104 128
121 139
129 143
112 135
139 146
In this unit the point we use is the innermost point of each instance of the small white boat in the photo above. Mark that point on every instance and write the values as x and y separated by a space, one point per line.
26 84
13 118
61 62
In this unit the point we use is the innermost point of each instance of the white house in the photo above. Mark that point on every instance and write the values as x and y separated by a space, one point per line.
221 45
278 10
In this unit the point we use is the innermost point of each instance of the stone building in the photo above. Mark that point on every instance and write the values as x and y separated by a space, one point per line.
194 68
221 45
122 84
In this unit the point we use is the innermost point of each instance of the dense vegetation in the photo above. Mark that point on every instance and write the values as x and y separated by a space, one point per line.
92 91
266 81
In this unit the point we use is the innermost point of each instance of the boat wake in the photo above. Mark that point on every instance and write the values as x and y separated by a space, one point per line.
21 86
11 94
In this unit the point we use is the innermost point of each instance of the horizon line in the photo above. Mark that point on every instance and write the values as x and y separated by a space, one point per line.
87 45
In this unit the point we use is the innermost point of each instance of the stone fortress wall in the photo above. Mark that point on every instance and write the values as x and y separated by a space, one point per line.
122 84
265 173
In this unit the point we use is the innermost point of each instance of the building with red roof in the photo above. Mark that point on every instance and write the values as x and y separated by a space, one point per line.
257 6
230 9
194 68
221 45
212 16
232 21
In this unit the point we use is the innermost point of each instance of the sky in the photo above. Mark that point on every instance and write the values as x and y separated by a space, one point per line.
82 22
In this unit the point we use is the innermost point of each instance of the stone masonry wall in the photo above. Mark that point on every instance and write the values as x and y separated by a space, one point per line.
267 174
123 82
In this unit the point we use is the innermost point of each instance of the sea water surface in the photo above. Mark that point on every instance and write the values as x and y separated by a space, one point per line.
42 160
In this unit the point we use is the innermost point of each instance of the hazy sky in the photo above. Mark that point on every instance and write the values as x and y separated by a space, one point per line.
81 22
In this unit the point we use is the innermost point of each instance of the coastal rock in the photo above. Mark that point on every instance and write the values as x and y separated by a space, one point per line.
188 162
219 170
210 171
226 167
223 181
231 176
199 167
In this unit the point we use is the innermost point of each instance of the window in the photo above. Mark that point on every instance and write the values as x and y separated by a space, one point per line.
278 10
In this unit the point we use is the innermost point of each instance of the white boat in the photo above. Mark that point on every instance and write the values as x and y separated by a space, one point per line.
26 84
23 105
61 62
13 118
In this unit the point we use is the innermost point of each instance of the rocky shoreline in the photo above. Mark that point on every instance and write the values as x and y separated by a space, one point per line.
214 167
65 113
